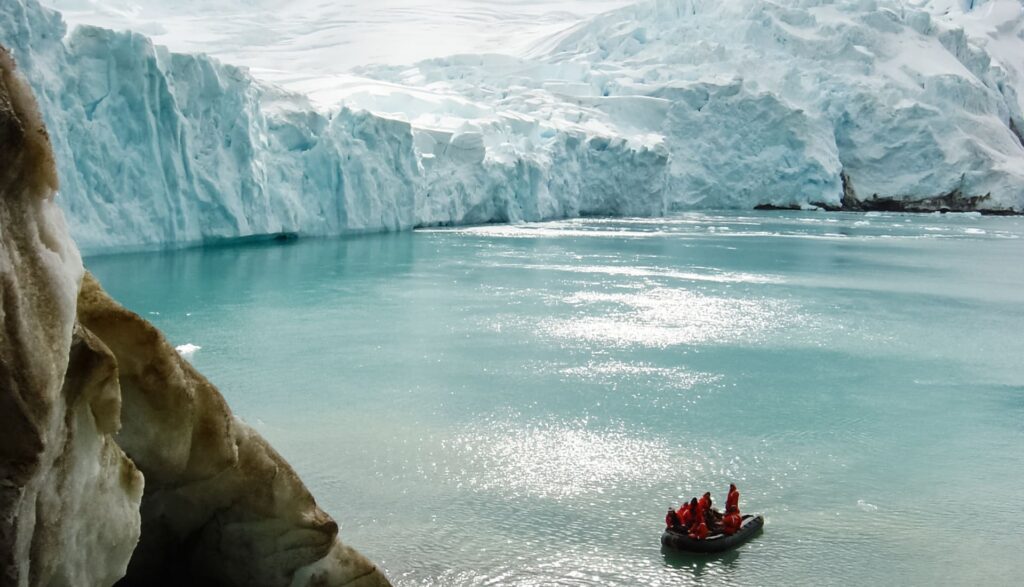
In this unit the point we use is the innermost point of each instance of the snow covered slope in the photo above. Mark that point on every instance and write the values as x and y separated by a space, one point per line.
658 106
770 102
306 39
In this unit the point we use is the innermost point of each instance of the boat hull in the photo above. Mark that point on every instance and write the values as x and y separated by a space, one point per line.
678 539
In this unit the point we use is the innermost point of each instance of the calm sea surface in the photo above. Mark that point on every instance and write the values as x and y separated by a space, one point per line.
518 405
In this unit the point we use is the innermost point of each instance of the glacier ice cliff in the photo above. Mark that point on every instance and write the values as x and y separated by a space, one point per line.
117 458
660 106
773 102
161 148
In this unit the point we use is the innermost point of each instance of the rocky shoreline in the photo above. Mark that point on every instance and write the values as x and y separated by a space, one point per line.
954 201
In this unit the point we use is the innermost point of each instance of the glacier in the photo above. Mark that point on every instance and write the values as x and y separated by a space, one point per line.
643 110
773 103
307 39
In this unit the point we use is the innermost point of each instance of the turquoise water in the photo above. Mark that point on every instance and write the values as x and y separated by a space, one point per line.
517 405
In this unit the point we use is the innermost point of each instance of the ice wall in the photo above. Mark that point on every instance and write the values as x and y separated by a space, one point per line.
159 148
771 102
664 105
163 148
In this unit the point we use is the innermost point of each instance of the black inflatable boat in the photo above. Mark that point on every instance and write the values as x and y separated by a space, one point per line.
678 540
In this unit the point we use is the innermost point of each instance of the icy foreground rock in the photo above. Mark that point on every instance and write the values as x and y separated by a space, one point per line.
221 507
69 497
81 378
655 107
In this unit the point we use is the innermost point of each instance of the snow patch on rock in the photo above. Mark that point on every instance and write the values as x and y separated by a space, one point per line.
187 350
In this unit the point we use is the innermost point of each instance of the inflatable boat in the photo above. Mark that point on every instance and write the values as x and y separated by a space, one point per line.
677 538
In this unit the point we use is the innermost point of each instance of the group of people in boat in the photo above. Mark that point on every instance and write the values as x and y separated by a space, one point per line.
699 519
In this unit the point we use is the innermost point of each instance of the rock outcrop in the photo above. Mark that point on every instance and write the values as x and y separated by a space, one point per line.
221 507
953 201
69 497
82 378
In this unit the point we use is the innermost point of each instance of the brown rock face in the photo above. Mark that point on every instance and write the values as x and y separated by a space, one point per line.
69 497
219 506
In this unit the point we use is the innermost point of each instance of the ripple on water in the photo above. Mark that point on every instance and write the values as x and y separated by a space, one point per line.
711 275
663 317
613 371
561 459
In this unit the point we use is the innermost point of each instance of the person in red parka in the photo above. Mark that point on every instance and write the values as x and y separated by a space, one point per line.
733 500
712 517
705 501
685 514
696 515
699 529
671 519
731 522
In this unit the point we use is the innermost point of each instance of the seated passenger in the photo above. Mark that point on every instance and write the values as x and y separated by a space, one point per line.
696 513
699 531
685 514
731 522
705 501
672 519
713 520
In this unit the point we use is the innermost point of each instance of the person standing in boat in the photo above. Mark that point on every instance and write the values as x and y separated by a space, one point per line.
733 499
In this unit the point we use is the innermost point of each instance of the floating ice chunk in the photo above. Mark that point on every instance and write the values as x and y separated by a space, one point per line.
867 507
187 350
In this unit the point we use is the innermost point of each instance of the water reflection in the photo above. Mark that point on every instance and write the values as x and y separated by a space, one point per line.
698 563
702 569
